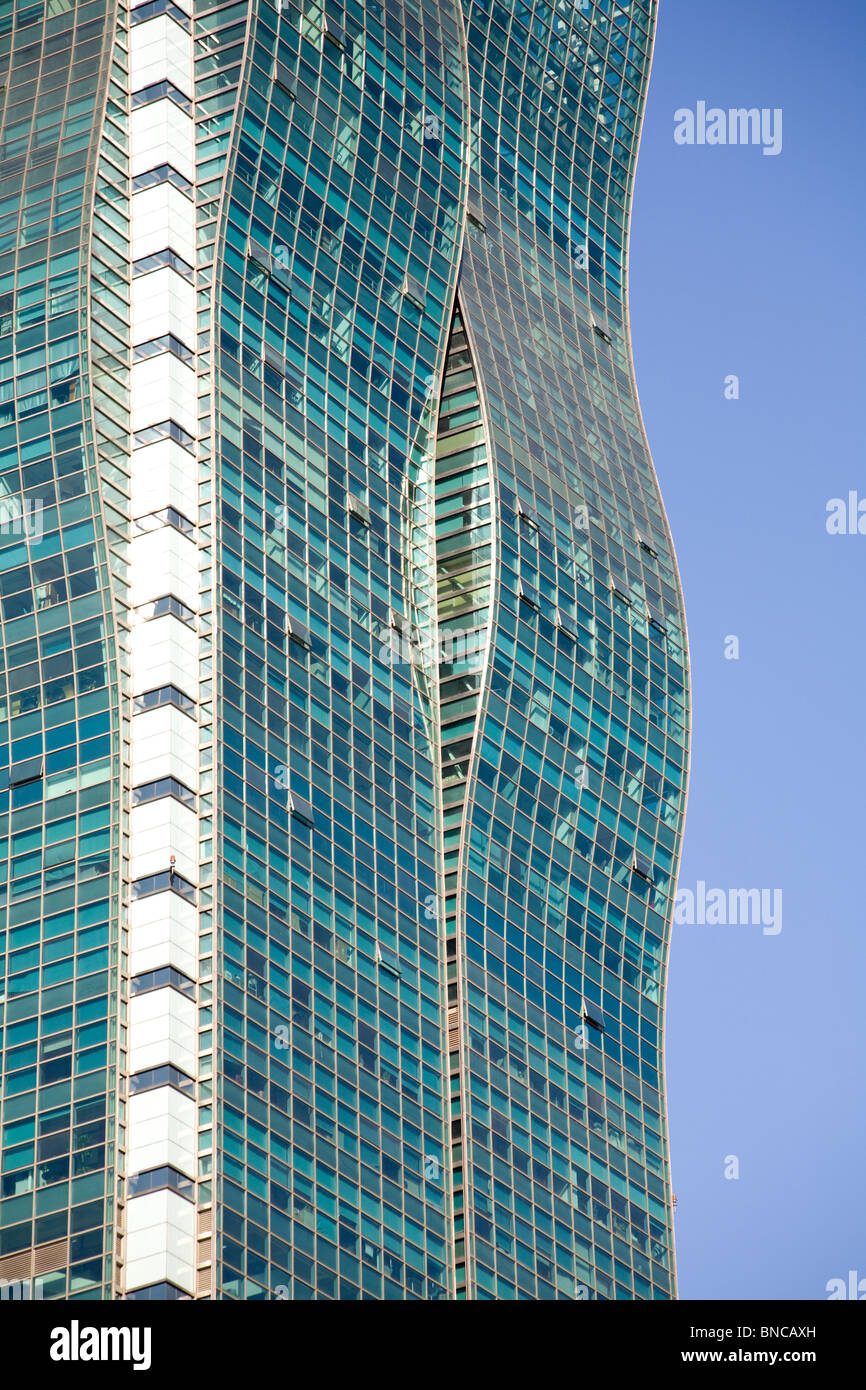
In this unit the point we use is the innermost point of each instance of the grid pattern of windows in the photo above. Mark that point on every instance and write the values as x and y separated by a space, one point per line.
579 765
333 284
334 276
62 422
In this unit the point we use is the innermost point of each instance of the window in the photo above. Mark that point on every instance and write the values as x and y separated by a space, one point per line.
476 217
154 1179
28 770
166 977
7 306
167 343
284 79
527 514
166 429
164 786
603 331
167 606
389 959
300 808
528 594
656 618
168 516
260 254
566 625
142 13
169 881
164 695
159 260
275 359
163 173
641 865
163 1293
619 586
333 32
359 509
593 1015
298 631
160 91
413 290
155 1077
49 593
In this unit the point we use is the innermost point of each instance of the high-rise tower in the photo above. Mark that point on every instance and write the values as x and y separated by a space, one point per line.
345 655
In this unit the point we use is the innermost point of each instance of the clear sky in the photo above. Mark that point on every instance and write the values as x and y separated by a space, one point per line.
751 264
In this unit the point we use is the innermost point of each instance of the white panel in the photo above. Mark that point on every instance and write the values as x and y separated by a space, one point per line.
164 744
163 933
163 388
160 1240
160 133
162 302
162 1029
164 475
165 652
161 1129
162 216
164 561
160 48
159 829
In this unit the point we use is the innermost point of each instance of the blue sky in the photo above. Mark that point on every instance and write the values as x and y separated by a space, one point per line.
753 265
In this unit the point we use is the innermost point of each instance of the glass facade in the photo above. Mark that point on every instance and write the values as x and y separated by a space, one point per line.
574 805
63 531
353 637
334 265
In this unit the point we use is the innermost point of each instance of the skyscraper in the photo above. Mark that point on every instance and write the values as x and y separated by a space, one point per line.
345 656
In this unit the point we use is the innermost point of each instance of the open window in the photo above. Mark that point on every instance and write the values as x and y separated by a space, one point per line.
529 594
592 1014
301 808
389 959
298 631
358 509
642 866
